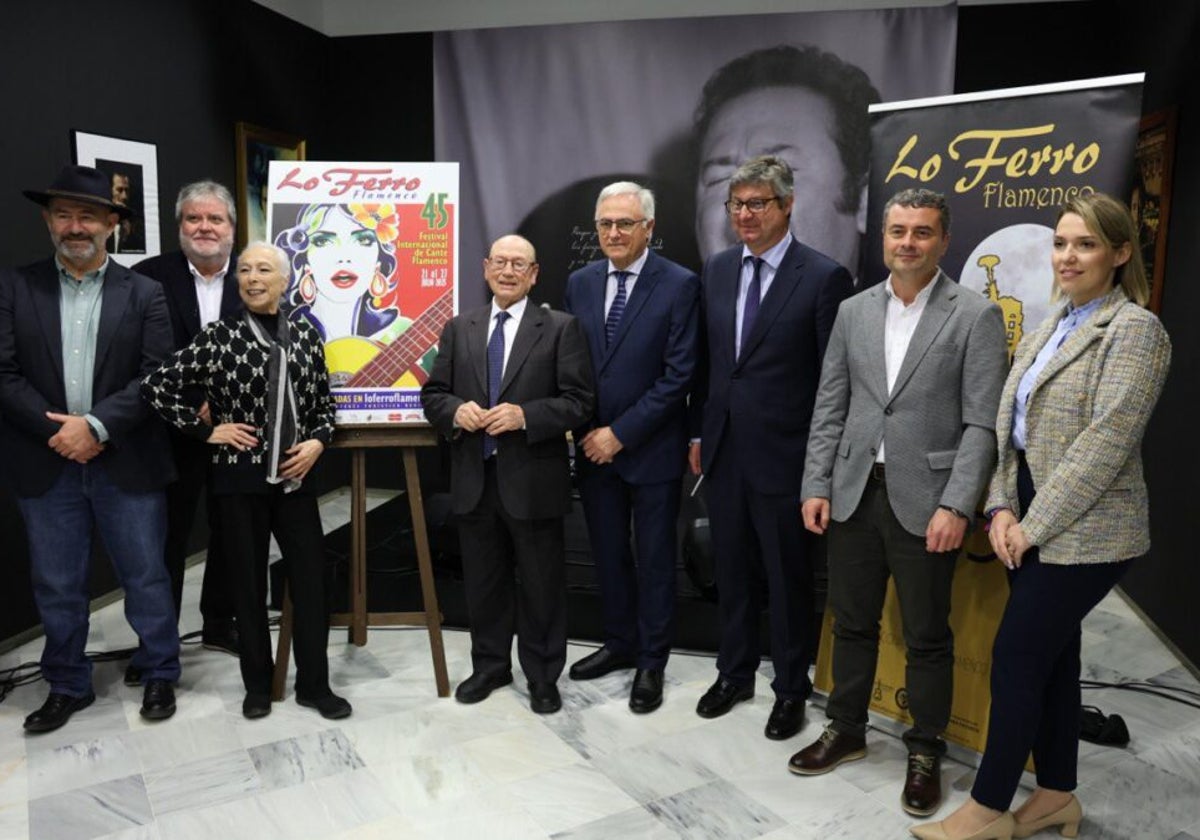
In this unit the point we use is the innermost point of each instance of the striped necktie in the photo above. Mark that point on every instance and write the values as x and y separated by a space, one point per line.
616 310
753 299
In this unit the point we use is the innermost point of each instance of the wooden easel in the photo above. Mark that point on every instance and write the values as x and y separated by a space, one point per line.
358 438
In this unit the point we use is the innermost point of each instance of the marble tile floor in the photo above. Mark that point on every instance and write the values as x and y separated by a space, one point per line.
410 765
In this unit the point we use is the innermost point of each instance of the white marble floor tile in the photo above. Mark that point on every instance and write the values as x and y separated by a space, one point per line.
303 759
92 811
207 781
528 750
569 797
81 764
636 822
653 771
717 810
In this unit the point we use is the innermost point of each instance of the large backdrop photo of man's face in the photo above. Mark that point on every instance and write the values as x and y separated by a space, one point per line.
542 118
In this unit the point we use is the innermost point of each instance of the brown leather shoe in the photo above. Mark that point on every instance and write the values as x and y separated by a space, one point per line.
827 752
923 785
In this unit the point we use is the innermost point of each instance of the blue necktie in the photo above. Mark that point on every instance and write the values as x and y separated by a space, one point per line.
495 370
616 310
753 299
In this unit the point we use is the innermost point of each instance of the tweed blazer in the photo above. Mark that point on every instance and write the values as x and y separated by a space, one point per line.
1084 423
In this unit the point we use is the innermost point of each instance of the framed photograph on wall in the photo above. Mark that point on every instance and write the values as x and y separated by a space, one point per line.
256 148
1150 199
132 169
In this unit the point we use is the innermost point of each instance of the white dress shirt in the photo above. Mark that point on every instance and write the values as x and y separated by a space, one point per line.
515 312
208 293
771 258
610 285
899 324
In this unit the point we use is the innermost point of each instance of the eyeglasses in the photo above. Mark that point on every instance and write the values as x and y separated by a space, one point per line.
755 205
622 225
519 265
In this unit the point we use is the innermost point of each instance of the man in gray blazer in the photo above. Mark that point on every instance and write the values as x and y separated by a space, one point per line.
903 441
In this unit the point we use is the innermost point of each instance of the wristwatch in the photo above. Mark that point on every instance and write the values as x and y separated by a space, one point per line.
955 511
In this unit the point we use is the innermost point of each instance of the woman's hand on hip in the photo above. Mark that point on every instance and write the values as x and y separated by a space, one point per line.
301 458
238 435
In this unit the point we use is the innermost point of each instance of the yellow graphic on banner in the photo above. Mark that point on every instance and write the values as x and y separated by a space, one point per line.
1010 307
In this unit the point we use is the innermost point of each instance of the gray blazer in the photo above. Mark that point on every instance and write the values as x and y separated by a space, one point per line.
939 421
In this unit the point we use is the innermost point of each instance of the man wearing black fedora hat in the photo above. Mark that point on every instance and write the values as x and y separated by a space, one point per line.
77 334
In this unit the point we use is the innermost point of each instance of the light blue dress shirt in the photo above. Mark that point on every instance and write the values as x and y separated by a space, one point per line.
79 307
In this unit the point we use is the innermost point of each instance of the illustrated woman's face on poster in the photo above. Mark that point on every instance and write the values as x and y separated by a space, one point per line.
343 257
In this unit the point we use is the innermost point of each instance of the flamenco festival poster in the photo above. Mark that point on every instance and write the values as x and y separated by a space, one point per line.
373 249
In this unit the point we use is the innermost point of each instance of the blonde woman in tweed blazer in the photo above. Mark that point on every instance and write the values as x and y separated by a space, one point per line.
1069 511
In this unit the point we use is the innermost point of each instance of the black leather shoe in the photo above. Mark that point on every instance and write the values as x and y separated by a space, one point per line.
599 663
646 694
721 697
922 794
787 716
330 706
479 685
56 711
827 752
158 700
256 706
133 676
220 637
544 698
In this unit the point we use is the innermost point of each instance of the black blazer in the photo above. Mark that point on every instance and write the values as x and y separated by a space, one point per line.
762 403
134 337
549 374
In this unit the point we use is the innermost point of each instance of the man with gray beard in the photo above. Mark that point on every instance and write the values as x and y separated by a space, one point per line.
199 289
77 334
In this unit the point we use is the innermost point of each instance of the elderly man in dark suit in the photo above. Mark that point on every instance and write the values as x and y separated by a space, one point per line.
640 314
200 288
77 334
510 380
903 441
769 306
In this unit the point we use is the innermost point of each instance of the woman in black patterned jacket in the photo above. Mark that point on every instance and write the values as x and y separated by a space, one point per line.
265 380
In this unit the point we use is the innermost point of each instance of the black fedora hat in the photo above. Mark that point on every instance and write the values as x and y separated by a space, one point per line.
80 183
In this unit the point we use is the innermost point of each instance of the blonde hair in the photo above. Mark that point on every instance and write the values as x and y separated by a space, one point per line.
1109 219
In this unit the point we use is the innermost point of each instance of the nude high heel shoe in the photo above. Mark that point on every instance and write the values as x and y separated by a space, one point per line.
1000 828
1067 818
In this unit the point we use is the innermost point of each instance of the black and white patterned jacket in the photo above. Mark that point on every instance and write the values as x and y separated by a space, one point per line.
230 366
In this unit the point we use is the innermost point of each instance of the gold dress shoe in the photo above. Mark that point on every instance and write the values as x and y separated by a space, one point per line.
1000 828
1068 817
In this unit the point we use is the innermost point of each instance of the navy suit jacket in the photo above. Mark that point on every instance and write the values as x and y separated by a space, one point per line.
759 406
548 375
133 338
643 378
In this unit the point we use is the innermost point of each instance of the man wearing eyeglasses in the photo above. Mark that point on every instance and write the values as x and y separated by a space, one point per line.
509 381
769 306
640 315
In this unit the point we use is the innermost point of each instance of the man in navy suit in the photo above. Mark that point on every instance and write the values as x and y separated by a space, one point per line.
200 289
769 307
640 315
77 334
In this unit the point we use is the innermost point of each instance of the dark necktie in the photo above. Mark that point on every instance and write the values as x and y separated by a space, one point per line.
616 310
495 370
753 299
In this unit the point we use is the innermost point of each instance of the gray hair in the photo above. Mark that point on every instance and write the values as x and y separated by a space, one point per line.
916 197
205 189
644 196
765 169
282 261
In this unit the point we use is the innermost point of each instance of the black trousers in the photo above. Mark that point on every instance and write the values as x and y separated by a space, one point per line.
757 539
1035 672
515 579
192 462
248 522
864 551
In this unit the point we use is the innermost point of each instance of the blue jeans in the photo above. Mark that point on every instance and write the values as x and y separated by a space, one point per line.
133 528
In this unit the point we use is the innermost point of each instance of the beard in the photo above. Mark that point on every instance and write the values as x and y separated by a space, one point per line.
77 249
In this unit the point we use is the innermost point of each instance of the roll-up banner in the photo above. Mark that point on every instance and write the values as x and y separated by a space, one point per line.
1005 160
